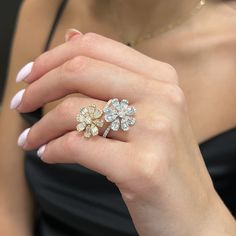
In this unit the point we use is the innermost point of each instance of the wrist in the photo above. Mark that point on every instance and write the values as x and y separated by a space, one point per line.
218 220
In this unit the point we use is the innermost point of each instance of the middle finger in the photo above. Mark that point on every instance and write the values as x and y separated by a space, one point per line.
96 79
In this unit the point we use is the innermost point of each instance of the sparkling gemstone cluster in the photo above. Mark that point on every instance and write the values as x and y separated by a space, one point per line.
119 114
89 120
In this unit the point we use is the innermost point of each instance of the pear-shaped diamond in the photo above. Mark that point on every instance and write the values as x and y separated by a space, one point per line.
130 111
97 114
115 125
110 117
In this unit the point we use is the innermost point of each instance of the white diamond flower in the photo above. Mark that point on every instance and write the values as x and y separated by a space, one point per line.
119 114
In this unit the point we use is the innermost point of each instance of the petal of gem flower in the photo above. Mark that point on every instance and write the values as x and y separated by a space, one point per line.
97 113
115 102
125 126
87 133
81 126
130 111
124 104
91 109
94 130
110 114
127 122
80 118
115 125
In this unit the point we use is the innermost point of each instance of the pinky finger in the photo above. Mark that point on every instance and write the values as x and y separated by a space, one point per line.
105 156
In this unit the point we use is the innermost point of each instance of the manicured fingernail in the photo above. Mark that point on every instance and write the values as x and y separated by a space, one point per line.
16 100
70 33
24 72
22 138
41 151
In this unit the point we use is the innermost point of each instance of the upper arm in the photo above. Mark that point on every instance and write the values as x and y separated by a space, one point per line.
16 208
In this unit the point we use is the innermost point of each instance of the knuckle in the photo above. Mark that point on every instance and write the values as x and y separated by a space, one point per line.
75 65
160 125
170 72
144 169
150 168
175 95
88 41
70 70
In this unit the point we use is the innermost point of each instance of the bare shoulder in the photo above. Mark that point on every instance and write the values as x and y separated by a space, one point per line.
34 24
32 29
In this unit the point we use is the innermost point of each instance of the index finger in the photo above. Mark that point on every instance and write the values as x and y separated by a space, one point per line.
104 49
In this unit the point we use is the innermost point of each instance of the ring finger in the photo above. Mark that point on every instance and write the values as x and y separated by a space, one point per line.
62 119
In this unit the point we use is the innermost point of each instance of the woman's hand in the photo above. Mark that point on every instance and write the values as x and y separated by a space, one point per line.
157 164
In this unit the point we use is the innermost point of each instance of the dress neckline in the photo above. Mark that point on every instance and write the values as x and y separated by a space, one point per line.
223 134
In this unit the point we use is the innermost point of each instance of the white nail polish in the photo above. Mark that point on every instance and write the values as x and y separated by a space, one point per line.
16 100
24 72
41 151
22 138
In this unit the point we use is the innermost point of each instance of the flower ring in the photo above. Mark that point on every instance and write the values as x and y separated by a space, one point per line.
119 114
89 120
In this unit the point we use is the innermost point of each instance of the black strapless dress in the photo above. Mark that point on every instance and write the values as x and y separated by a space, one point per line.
73 200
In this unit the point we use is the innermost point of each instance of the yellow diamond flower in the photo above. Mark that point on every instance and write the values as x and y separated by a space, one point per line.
89 121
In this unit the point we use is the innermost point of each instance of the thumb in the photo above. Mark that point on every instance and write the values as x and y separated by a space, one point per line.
70 33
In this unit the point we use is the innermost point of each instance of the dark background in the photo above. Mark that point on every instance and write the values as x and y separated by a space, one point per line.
8 14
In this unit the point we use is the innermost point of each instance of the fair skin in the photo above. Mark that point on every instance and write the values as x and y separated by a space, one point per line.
195 130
